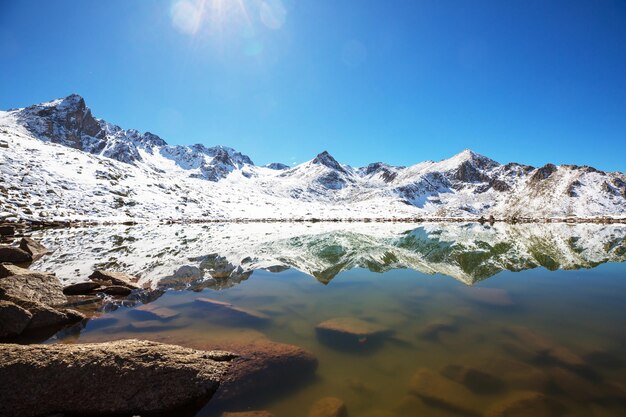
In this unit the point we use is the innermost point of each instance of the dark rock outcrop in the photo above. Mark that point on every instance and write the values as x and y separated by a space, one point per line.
81 288
124 377
14 255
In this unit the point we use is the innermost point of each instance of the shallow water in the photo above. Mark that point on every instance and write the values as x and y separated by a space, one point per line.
539 308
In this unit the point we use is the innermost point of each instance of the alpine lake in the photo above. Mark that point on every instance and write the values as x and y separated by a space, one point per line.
430 320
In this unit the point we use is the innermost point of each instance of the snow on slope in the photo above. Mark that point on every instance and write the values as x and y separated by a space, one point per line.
221 255
58 162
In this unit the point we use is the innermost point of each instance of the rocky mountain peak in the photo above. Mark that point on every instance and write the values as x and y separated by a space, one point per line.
327 160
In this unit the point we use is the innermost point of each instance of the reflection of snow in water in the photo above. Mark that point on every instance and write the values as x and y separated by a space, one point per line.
223 254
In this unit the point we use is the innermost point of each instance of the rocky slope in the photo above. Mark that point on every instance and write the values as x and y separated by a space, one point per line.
57 161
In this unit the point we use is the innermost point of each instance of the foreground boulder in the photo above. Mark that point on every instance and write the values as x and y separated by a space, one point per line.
30 301
123 377
34 287
35 249
113 278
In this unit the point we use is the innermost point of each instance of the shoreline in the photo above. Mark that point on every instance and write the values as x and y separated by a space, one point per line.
44 224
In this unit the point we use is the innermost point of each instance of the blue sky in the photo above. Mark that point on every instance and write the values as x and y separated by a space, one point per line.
281 80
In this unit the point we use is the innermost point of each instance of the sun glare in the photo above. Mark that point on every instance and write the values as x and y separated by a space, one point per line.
193 16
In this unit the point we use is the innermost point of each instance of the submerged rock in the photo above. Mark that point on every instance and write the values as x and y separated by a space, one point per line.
439 391
329 407
154 312
248 414
122 377
525 404
14 255
34 248
231 311
113 278
263 366
351 332
534 347
433 330
495 297
478 381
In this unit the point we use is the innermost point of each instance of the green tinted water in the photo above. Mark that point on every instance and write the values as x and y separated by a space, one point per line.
557 333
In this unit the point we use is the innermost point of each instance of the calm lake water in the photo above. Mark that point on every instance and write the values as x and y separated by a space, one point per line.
477 317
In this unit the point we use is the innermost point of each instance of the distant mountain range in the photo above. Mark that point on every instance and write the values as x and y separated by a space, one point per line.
57 161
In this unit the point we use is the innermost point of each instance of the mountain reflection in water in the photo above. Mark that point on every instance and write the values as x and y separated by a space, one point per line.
196 256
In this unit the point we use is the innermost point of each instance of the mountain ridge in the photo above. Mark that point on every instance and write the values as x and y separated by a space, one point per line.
467 185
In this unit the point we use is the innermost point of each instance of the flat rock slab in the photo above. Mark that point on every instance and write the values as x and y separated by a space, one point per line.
123 377
155 312
353 326
534 346
228 309
435 328
329 407
14 255
114 278
35 287
34 248
440 391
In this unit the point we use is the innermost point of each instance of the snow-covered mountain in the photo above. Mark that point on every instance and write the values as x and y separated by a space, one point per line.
59 162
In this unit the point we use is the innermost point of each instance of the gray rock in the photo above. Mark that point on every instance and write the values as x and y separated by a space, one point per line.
328 407
35 287
81 288
34 248
13 319
123 377
14 255
113 278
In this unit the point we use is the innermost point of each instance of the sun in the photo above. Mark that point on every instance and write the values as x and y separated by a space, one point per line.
192 16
